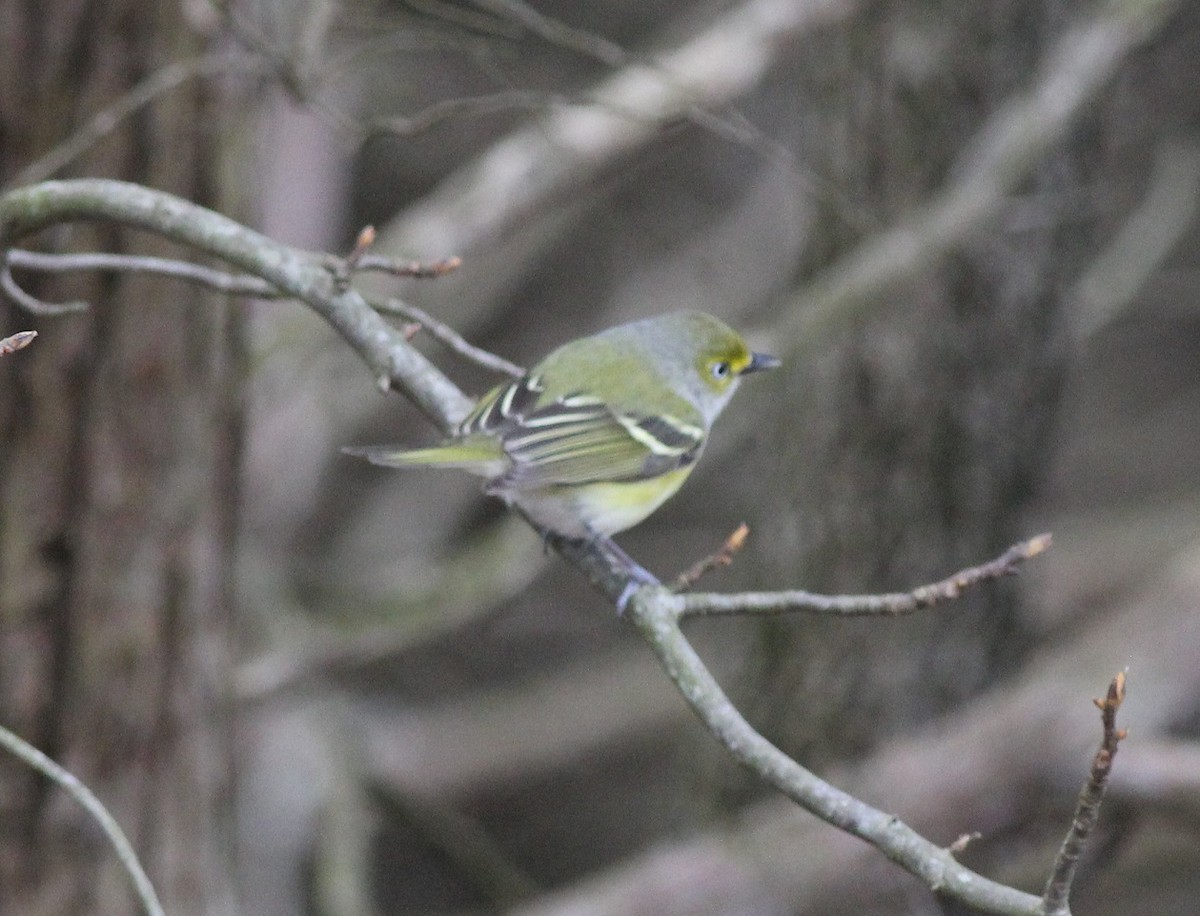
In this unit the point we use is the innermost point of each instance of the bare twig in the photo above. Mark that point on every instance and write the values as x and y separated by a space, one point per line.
82 794
926 596
15 342
723 557
219 280
964 840
30 303
360 260
418 270
344 268
987 782
447 336
1056 900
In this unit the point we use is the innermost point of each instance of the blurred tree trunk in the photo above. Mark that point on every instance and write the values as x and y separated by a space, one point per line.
118 489
915 444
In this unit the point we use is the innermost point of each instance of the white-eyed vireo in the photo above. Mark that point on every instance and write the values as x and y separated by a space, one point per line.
604 429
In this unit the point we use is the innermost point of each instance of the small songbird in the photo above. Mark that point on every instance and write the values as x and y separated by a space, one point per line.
604 429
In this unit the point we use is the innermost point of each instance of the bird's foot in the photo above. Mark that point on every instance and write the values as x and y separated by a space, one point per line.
636 575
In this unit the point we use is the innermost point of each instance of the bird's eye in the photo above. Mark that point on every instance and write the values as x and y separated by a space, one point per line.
720 370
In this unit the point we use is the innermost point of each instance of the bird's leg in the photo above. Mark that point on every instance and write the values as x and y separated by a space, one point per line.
631 567
635 573
616 559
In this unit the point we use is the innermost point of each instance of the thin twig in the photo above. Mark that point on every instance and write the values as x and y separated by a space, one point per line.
888 605
30 303
15 342
723 557
450 338
219 280
417 270
360 260
959 846
1056 900
343 268
82 794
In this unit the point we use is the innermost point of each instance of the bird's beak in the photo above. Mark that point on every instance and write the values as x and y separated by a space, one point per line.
759 362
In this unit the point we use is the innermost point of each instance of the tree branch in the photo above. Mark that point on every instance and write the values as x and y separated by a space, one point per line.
1026 128
82 794
655 611
218 280
296 274
1056 899
450 338
652 613
889 605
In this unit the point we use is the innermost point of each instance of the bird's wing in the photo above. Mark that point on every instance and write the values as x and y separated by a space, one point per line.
578 439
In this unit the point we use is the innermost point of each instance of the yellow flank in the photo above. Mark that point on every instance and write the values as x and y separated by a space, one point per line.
587 510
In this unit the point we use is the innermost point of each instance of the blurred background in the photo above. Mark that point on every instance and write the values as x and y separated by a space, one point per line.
305 685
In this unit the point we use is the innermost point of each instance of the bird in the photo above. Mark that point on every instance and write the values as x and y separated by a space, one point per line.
603 430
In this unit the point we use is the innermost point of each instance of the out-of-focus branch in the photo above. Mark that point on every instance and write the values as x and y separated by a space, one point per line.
1143 242
477 859
1056 899
572 143
82 794
441 599
993 165
108 119
465 106
557 32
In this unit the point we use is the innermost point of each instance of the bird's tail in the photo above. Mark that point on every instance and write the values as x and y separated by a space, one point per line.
482 456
